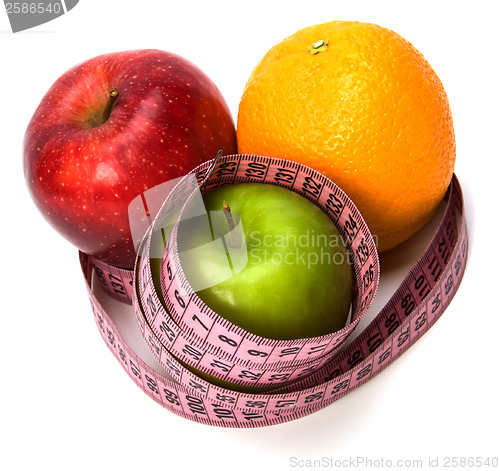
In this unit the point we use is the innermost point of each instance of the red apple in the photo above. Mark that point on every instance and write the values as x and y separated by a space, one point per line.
112 127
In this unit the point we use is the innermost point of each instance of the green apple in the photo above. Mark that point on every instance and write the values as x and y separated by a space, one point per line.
272 262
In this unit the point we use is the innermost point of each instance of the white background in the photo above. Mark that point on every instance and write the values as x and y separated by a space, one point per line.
66 404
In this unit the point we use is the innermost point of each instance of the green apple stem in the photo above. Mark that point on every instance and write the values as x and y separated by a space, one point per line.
235 240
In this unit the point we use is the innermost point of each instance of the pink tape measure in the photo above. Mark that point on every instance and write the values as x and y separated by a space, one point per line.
298 376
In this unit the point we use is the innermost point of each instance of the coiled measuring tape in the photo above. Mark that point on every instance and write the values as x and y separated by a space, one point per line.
299 376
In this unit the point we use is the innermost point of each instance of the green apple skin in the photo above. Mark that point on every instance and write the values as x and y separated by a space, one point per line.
297 282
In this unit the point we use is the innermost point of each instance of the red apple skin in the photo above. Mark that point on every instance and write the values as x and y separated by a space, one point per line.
82 172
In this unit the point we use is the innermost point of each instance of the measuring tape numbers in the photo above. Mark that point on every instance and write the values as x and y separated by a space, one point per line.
296 377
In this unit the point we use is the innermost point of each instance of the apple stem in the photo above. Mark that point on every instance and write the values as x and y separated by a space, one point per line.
235 240
113 93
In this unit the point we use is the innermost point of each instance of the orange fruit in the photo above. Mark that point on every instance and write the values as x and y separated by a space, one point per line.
360 104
